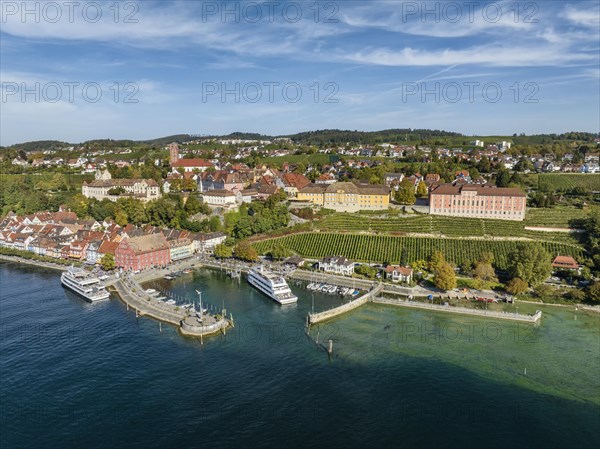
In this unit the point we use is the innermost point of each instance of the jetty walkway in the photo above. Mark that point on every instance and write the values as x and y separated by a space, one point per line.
461 310
134 296
314 318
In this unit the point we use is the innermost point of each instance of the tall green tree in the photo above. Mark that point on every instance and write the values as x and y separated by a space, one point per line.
445 277
531 262
279 252
422 190
108 262
405 193
436 259
245 251
593 292
516 286
503 178
223 251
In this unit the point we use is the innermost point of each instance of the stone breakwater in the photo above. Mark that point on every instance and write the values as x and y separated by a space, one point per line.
462 310
314 318
132 294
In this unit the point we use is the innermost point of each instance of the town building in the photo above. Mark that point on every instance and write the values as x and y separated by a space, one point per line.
397 273
206 243
294 261
477 201
186 164
293 182
220 180
347 196
103 187
336 265
181 248
565 263
139 253
220 197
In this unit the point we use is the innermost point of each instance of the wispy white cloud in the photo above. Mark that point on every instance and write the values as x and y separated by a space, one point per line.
489 55
589 17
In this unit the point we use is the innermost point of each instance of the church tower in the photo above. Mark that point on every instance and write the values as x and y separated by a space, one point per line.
174 152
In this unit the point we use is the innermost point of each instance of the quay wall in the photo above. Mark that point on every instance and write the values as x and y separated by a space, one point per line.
462 310
165 313
149 306
314 318
327 278
37 263
187 329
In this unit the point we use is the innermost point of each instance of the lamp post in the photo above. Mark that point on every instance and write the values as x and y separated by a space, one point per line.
200 298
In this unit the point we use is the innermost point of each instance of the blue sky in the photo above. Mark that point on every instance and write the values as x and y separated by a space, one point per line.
484 68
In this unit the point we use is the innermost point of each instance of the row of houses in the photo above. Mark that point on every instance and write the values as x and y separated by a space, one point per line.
61 235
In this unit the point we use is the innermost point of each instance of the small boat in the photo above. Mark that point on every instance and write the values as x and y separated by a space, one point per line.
150 291
171 302
161 298
168 277
332 289
187 271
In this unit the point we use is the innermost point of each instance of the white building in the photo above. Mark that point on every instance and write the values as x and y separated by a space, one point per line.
337 265
142 189
220 197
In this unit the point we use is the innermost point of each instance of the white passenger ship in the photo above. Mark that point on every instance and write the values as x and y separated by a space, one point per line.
272 285
84 284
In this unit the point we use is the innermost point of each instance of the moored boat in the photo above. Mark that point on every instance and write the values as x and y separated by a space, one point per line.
271 284
84 284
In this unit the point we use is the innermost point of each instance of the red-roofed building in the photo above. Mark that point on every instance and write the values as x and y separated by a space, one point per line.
143 252
398 274
186 164
293 182
565 263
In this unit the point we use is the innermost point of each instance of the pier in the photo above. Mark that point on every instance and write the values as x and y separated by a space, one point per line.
186 320
461 310
314 318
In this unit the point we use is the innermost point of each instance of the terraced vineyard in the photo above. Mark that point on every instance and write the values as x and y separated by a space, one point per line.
567 181
556 217
448 226
388 248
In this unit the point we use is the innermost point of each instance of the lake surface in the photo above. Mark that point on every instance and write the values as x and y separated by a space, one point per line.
75 374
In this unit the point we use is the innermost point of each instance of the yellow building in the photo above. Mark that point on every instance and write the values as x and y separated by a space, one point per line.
347 196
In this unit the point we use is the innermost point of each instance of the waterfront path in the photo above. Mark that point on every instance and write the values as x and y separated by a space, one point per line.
461 310
37 263
314 318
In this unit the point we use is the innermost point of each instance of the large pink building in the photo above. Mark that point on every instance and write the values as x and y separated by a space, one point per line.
139 253
477 201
